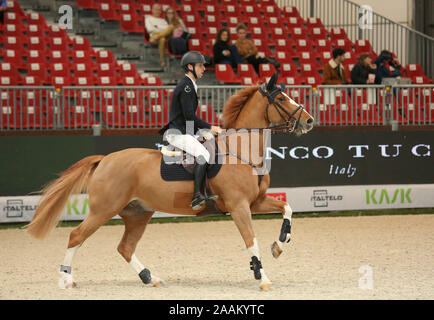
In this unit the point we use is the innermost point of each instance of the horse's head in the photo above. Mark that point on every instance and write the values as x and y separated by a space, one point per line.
282 113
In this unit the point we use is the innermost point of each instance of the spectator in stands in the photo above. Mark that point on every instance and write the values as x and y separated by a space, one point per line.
178 40
248 50
3 8
387 66
364 71
224 52
333 71
159 30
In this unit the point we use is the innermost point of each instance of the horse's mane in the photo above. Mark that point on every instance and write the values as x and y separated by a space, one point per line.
235 104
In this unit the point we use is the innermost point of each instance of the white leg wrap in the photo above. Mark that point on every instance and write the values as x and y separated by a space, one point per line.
135 263
66 280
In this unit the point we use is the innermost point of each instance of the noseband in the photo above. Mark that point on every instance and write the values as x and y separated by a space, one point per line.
286 126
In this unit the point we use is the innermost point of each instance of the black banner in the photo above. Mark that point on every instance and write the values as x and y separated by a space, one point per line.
352 158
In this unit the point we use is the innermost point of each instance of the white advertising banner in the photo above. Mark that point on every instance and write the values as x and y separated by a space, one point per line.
305 199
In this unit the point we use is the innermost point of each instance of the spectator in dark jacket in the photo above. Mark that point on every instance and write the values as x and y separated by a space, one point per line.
224 52
363 69
384 62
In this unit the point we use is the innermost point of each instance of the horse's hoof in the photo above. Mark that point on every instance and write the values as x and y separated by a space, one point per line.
71 285
275 250
266 287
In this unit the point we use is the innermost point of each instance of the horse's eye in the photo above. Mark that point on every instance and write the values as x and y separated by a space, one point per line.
282 99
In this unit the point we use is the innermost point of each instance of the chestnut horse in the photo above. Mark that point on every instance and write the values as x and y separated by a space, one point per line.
128 183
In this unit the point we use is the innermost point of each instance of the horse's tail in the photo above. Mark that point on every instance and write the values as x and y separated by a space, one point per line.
55 195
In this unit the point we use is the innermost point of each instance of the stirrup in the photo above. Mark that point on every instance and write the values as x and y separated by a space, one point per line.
198 201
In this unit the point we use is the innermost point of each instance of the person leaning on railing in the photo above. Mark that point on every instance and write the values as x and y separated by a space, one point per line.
364 70
387 66
334 71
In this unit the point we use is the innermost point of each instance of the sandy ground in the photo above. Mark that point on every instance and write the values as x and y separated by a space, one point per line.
207 260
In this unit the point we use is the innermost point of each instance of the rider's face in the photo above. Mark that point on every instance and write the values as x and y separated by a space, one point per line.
199 68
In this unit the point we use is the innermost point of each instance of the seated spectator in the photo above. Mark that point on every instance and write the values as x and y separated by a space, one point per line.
387 66
248 50
364 71
224 52
178 40
159 30
334 71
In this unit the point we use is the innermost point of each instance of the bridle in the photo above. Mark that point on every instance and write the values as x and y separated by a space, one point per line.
271 96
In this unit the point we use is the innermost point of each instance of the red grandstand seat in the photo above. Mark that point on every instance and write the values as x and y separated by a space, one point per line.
325 57
145 7
188 9
266 70
78 117
35 18
299 33
338 33
128 70
36 43
345 44
60 69
113 116
279 33
323 45
105 56
421 80
9 70
40 70
82 43
36 56
14 30
293 81
14 42
251 11
313 80
288 70
15 57
307 57
131 22
131 81
84 69
34 30
246 70
13 18
253 21
318 33
82 56
294 22
363 46
309 70
275 22
58 43
212 21
107 10
56 31
230 9
32 81
158 114
225 74
414 70
192 20
107 80
285 45
152 81
290 11
197 45
61 81
271 11
87 4
303 45
284 57
314 22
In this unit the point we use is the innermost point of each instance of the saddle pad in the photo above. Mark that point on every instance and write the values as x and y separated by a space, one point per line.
176 172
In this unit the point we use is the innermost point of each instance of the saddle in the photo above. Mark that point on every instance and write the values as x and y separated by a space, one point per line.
176 165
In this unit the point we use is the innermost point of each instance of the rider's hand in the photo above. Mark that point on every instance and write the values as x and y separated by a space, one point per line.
216 129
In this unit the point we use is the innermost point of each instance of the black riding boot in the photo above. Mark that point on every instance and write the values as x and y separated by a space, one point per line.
198 197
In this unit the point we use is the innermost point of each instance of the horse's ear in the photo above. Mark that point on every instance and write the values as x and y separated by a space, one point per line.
272 82
282 86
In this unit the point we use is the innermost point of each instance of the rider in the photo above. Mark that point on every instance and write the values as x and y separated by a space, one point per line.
182 109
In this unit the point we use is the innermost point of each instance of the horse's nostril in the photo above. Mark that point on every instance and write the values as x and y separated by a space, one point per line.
309 121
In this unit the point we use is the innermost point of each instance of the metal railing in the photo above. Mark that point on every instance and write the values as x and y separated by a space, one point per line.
76 108
409 45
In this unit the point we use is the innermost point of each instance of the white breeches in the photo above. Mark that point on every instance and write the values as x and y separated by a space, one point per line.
189 144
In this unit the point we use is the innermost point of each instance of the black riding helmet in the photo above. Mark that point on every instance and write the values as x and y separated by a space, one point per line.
192 57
